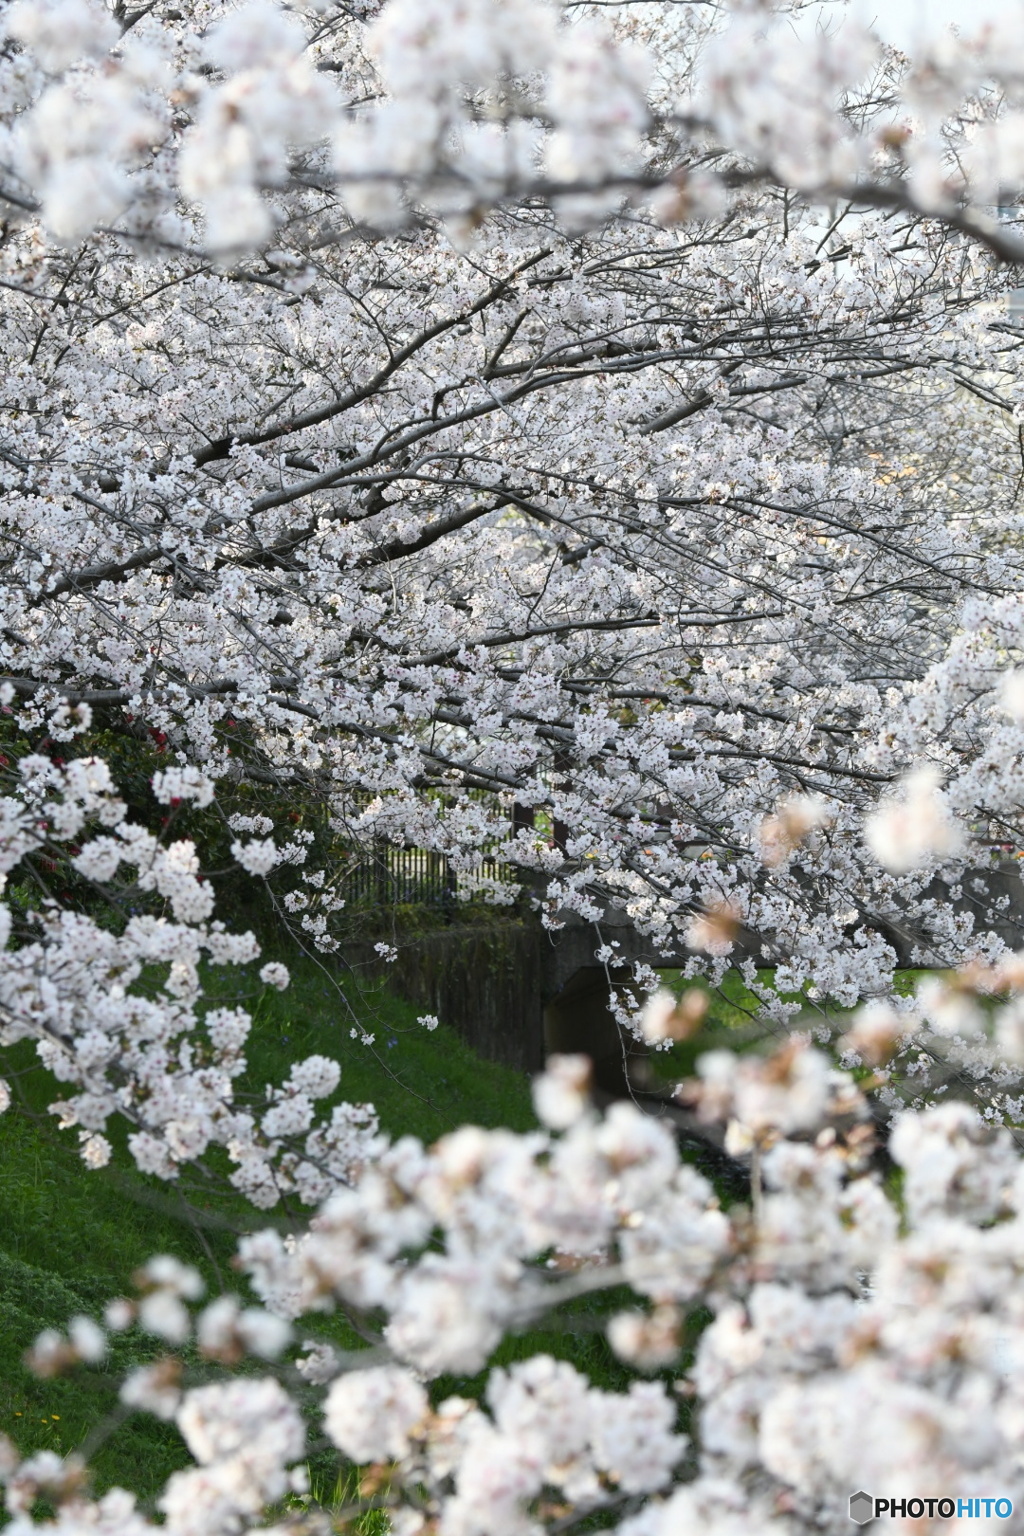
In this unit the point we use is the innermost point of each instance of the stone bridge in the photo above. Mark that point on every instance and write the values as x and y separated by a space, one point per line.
574 1012
517 992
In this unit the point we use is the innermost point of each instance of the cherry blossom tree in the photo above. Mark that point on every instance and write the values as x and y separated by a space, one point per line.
611 410
402 524
421 518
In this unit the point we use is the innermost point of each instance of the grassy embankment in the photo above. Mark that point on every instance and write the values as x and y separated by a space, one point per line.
70 1238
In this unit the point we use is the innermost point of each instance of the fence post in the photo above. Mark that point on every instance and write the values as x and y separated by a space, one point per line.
380 861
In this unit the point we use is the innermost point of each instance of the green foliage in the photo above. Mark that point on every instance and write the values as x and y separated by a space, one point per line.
134 753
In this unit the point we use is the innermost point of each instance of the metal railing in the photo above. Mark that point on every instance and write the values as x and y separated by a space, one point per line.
385 875
378 874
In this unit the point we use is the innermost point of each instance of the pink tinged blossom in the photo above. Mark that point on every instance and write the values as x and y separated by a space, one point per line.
275 975
561 1094
920 826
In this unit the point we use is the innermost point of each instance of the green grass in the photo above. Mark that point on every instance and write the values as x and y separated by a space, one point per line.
730 1021
422 1082
69 1241
70 1238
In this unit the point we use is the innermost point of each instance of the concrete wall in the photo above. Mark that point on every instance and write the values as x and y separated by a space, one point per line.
483 980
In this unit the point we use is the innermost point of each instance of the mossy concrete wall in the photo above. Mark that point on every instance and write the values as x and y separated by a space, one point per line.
482 979
516 992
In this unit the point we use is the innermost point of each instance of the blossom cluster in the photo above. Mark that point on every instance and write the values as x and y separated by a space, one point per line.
469 580
155 1055
389 107
838 1300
